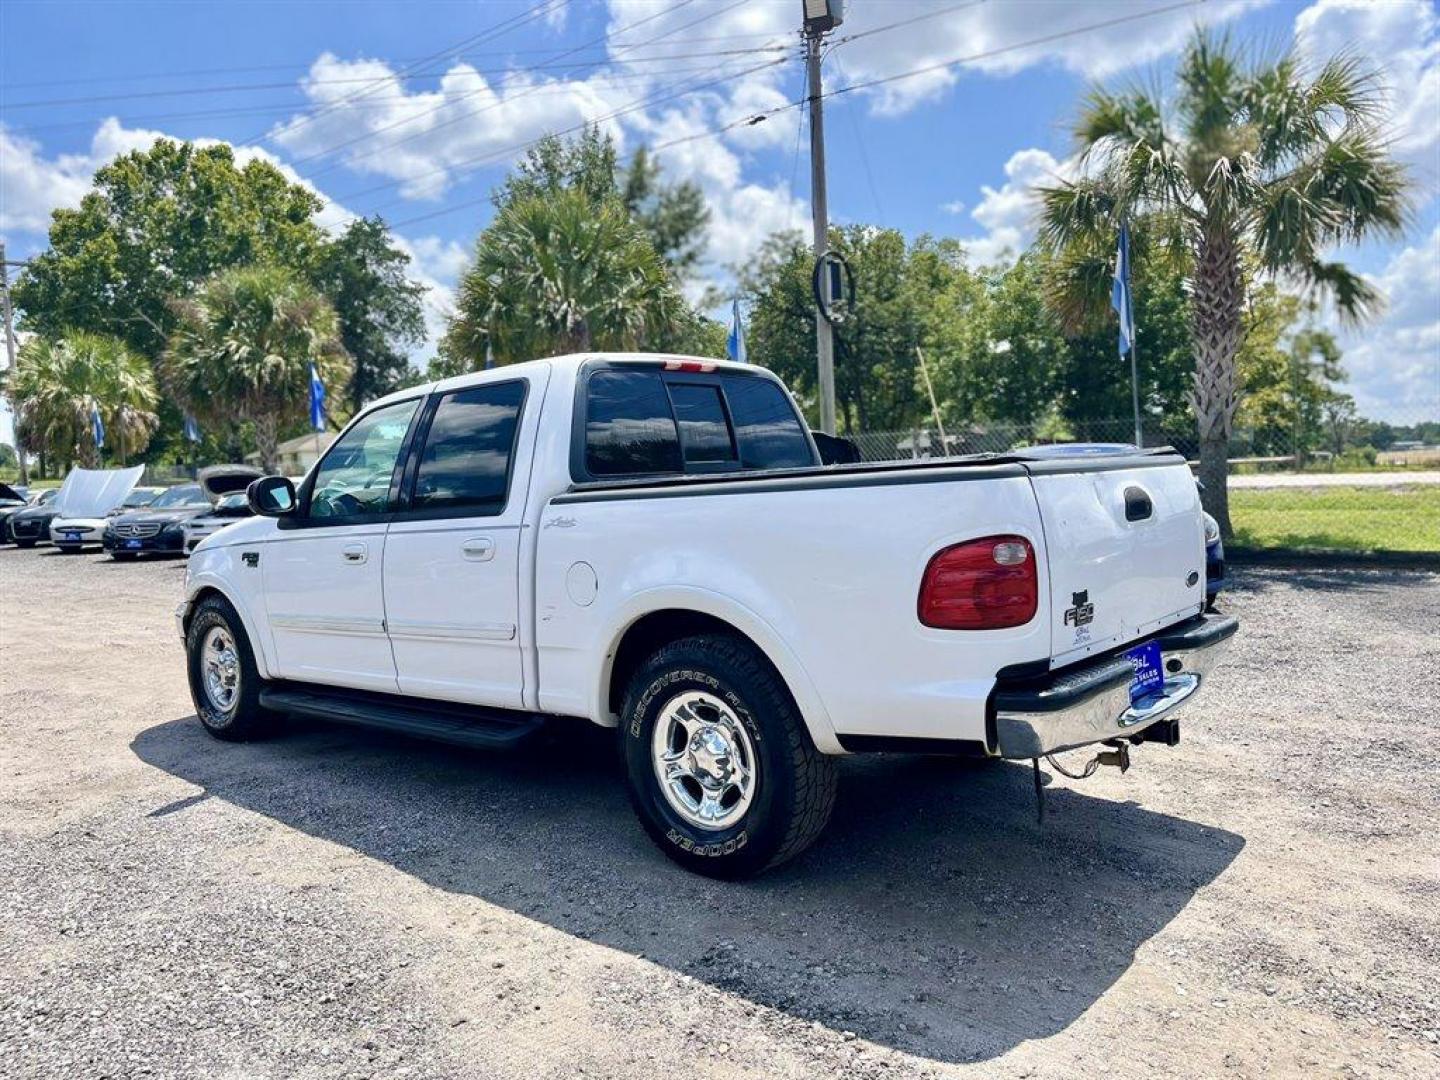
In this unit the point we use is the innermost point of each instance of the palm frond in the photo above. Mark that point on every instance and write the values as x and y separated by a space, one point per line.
1355 299
1077 212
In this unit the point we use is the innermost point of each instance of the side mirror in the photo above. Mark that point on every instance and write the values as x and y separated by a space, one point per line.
272 496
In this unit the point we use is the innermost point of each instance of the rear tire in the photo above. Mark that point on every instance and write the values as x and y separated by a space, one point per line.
746 787
224 681
26 543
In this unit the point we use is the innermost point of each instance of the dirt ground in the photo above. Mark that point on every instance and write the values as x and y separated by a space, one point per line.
1263 900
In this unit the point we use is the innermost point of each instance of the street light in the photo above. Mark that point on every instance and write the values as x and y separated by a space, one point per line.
823 15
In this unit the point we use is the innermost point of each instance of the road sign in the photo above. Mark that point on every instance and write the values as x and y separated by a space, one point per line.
834 285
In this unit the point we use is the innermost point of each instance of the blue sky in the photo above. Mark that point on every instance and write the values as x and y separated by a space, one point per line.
414 110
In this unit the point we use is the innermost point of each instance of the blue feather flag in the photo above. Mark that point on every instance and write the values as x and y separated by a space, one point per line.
735 340
1120 298
317 400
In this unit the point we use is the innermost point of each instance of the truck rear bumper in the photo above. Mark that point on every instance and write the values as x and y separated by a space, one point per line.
1091 703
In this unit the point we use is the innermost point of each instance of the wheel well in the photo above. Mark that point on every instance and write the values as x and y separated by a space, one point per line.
199 598
653 631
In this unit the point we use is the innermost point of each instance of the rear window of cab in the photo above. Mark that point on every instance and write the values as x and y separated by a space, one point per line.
646 422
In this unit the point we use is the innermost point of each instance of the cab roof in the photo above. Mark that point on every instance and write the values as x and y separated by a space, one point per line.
570 364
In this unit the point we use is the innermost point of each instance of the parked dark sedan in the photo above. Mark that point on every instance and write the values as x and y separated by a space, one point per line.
160 527
12 501
29 525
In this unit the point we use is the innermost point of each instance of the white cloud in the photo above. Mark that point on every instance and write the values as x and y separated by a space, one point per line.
743 214
424 139
955 206
988 31
1402 39
1008 212
1394 363
437 265
31 187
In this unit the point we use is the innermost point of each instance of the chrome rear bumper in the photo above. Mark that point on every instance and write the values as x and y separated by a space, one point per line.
1091 703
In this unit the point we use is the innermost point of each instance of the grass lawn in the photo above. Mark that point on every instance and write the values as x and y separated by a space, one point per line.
1340 518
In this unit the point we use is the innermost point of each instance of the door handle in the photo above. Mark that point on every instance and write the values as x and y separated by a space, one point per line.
1137 504
354 553
478 549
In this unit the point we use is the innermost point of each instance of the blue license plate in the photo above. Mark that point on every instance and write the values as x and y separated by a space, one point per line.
1149 677
73 538
132 543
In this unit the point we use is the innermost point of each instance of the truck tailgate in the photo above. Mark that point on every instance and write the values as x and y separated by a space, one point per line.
1126 550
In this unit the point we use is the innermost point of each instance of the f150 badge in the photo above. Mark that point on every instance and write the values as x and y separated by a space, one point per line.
1082 610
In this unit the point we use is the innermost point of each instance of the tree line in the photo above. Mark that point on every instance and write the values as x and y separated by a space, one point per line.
219 283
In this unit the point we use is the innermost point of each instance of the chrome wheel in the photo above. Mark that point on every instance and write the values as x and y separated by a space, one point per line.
220 668
704 760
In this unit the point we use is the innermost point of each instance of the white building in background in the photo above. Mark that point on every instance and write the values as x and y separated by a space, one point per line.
298 454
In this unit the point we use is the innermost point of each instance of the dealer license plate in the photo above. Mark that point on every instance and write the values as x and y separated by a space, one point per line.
132 543
1149 677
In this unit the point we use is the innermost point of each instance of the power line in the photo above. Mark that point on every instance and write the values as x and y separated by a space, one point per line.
544 7
668 94
304 65
501 100
616 77
905 22
414 70
755 118
752 120
864 154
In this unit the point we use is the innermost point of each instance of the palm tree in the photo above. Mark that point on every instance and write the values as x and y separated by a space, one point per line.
242 349
1256 168
562 272
61 384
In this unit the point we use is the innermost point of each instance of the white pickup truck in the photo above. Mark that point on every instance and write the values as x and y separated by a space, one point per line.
653 544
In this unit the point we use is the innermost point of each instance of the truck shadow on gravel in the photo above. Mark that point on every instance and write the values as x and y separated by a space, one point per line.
934 915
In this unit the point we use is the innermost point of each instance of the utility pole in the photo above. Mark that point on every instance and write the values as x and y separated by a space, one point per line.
10 363
820 17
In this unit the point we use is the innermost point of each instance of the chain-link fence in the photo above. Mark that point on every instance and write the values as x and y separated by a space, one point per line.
1374 487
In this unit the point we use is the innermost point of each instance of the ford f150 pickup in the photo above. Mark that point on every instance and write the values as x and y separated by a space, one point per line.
652 544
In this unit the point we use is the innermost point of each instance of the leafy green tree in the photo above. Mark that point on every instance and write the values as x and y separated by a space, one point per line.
242 349
1289 375
1256 160
1017 359
60 383
364 275
560 273
673 216
157 223
1096 378
906 296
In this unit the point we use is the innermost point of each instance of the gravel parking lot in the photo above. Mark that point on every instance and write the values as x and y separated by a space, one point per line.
1263 900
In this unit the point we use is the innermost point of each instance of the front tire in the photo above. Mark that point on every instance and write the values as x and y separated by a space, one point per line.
224 681
718 762
27 544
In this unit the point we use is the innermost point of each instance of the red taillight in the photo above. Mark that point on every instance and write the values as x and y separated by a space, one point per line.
985 584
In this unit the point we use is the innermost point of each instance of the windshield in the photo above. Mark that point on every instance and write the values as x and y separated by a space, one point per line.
233 501
182 495
140 497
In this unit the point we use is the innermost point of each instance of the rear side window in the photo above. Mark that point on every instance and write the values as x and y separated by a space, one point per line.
629 428
766 427
466 462
704 432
